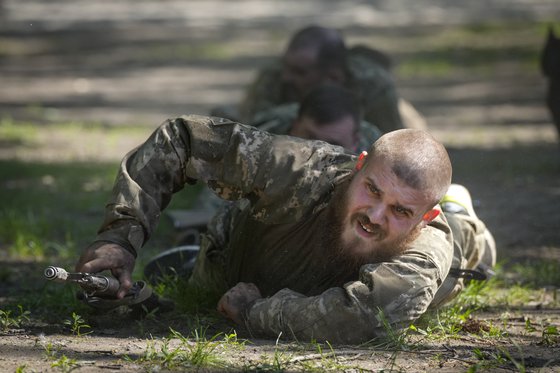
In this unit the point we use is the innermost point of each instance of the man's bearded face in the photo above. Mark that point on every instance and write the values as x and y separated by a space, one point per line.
374 216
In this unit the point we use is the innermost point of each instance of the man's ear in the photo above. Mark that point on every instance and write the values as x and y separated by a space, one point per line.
361 160
430 216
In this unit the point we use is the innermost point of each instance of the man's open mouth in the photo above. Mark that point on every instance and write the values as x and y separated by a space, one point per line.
365 228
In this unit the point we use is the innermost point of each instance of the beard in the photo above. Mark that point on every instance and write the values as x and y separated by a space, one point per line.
341 256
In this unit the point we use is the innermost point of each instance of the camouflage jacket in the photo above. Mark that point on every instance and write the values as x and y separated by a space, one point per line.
279 120
371 82
271 240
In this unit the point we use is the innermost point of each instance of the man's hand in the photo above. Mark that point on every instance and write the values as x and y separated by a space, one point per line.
100 256
234 303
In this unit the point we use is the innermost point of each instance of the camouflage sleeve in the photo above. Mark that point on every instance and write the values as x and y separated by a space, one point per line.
180 151
263 94
388 295
235 160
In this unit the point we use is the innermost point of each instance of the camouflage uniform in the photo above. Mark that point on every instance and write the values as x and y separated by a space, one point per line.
270 238
279 121
371 82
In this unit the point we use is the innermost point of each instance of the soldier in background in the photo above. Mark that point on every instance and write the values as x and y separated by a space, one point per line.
322 244
317 55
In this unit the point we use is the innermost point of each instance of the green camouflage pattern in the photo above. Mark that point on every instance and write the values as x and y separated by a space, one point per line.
269 237
279 120
371 82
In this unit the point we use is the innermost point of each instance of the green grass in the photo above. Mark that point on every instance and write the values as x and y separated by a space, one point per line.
480 48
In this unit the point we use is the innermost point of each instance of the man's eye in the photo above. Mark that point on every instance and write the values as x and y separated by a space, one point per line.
401 211
372 189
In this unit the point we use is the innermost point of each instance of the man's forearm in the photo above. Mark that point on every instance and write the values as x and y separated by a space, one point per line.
147 178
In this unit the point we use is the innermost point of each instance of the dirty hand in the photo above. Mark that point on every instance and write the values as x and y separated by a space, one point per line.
237 299
100 256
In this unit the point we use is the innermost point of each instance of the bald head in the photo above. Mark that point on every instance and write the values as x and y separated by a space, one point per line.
417 159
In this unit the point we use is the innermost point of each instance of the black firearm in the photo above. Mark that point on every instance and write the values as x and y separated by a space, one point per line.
92 284
100 291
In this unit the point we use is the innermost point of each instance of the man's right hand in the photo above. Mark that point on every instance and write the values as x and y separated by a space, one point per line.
101 256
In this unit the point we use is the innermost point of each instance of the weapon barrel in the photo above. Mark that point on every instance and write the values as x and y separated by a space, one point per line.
55 274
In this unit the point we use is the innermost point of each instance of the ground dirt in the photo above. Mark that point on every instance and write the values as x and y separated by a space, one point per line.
122 62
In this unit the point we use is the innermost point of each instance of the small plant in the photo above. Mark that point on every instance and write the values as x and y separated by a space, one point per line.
76 324
7 321
50 350
550 336
197 353
64 363
529 326
232 340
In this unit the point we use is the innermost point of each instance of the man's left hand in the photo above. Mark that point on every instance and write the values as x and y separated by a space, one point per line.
237 299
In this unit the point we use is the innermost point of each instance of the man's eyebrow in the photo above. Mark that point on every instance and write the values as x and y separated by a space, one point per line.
398 204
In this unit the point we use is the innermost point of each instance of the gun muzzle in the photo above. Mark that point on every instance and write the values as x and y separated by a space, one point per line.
55 274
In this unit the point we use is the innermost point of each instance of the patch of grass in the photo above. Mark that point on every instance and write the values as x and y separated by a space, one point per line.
8 320
188 299
195 352
537 273
478 48
53 209
52 300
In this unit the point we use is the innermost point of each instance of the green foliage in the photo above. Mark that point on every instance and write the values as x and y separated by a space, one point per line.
197 352
64 363
473 49
188 299
77 324
52 300
500 358
550 335
537 273
8 320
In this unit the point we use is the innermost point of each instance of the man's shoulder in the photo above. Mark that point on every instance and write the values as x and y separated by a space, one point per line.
373 56
368 65
271 70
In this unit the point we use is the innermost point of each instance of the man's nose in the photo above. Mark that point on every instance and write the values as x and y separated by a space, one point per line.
377 214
